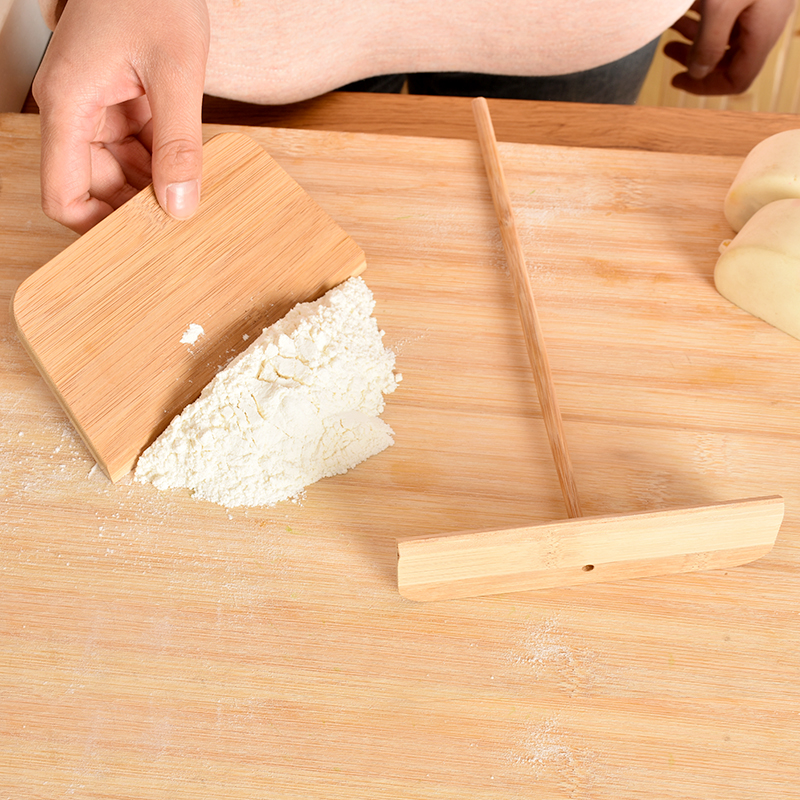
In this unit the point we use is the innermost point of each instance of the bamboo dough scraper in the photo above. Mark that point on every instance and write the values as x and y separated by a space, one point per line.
131 321
579 549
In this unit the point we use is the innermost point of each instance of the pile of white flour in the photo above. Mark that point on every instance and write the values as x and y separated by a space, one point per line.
300 404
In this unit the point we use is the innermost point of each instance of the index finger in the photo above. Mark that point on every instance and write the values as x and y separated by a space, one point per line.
66 170
713 35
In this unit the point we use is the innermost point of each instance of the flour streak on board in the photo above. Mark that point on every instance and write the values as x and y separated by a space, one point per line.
549 652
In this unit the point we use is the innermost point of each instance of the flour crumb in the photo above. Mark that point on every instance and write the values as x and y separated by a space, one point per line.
300 404
192 334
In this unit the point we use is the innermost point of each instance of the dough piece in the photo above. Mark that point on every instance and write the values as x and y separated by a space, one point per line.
759 270
771 171
300 404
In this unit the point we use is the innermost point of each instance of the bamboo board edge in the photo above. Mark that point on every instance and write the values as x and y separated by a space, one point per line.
588 550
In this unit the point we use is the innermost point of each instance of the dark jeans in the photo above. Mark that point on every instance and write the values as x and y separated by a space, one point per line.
618 82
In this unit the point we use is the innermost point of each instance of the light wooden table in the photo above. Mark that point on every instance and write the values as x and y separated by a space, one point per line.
670 130
154 647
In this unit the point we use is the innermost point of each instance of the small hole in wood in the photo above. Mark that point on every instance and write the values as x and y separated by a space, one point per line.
588 568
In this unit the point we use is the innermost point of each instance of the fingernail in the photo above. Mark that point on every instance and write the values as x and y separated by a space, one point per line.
698 71
183 198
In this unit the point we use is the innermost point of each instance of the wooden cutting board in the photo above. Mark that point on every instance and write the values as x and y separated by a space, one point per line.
157 647
108 321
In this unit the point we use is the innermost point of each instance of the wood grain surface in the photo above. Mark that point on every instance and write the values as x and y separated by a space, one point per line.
157 647
675 130
105 320
544 556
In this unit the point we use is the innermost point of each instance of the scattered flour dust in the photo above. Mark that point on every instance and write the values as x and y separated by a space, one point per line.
300 404
546 747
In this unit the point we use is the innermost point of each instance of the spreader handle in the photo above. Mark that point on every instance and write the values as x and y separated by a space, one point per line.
534 339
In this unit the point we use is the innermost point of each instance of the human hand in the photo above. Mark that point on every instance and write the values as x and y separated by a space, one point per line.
728 45
120 94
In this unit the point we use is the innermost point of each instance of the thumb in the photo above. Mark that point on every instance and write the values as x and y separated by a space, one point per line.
177 170
176 101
